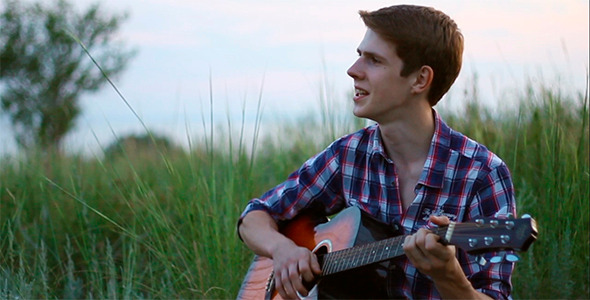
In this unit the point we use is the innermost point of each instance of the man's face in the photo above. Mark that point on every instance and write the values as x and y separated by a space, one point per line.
380 91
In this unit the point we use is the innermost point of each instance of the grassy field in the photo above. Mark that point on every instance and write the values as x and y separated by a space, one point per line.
160 223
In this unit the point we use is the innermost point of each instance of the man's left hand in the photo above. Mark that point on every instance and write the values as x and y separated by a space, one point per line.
428 255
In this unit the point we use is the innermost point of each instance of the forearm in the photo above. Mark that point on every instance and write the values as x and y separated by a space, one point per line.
454 285
260 233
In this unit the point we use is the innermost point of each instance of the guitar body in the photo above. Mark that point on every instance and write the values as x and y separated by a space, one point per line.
352 227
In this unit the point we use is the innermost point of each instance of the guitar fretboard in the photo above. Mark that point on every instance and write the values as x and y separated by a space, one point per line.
359 256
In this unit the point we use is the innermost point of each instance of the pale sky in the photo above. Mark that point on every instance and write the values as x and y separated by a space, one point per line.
287 46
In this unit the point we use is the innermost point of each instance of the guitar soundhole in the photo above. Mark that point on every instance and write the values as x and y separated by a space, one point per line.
320 251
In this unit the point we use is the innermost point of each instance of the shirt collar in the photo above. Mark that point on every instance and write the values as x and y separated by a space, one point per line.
376 144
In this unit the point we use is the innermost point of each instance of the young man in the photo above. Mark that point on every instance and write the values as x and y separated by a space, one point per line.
409 168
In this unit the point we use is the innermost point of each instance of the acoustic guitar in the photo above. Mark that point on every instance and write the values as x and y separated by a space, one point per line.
354 249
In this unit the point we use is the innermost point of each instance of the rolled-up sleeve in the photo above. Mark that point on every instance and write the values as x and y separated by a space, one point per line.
316 183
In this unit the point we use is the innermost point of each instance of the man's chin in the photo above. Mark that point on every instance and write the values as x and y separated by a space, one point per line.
357 111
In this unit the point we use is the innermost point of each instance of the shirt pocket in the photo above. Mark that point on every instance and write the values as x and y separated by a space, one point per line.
432 204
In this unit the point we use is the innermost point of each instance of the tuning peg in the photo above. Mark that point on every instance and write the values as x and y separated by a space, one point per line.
497 259
511 257
503 213
481 260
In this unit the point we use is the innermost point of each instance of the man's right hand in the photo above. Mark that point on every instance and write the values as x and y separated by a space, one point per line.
293 265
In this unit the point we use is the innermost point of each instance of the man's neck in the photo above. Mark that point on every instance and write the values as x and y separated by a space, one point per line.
407 138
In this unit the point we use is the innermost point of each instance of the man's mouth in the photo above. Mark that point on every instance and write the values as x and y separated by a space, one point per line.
359 94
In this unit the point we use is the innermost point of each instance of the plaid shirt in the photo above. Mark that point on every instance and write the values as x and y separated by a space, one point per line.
461 179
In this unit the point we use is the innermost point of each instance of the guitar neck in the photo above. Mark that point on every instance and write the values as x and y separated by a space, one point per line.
363 255
346 259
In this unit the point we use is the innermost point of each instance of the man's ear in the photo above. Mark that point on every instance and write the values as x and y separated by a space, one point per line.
423 79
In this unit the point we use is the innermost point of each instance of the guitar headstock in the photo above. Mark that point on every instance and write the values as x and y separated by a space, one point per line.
493 234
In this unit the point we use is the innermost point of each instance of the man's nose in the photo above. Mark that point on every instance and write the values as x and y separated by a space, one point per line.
354 70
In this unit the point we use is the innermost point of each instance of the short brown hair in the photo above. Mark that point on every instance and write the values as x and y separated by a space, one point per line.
421 36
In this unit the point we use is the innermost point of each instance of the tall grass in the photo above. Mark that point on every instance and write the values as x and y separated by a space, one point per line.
163 225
